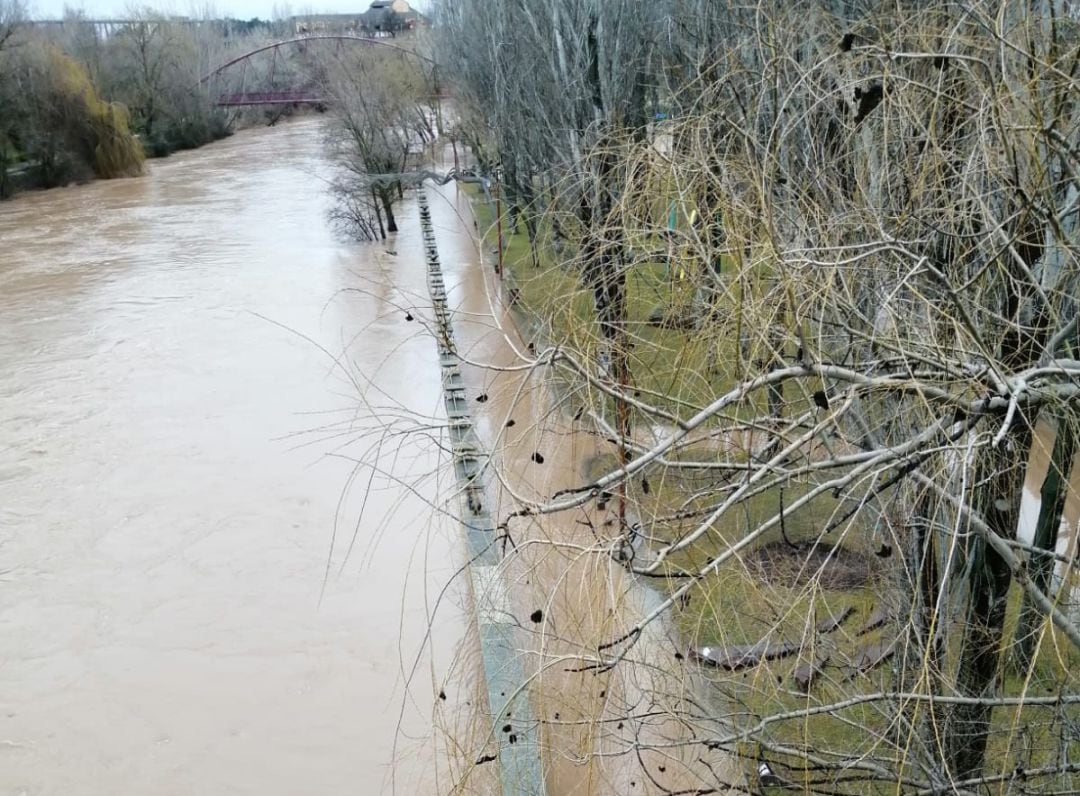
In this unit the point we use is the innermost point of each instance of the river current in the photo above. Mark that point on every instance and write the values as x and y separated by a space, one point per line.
201 383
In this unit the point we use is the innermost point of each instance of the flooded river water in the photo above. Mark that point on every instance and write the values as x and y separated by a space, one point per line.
224 502
192 367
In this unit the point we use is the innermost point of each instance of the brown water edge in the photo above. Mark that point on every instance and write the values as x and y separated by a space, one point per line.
172 458
593 725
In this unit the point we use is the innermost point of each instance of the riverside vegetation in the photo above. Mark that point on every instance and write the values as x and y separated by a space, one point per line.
76 104
810 271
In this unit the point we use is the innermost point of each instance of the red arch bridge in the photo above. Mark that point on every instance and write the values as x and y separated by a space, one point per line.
305 95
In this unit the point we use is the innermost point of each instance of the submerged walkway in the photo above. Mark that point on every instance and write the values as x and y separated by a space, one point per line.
513 727
600 732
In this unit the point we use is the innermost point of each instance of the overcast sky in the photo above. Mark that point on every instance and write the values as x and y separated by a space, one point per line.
241 9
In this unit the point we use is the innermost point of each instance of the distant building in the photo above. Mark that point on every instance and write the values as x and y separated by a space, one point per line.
390 17
383 18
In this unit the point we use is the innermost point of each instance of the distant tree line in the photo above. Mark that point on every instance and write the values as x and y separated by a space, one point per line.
77 104
245 27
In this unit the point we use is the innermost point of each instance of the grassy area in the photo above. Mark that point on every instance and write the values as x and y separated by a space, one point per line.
680 369
739 603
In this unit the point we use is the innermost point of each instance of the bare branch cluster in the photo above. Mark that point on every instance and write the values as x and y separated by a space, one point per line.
829 253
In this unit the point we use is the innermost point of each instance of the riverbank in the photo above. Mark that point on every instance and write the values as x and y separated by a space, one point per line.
818 564
25 176
602 731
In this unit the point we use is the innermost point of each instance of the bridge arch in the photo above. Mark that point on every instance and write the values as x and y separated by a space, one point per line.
304 95
361 40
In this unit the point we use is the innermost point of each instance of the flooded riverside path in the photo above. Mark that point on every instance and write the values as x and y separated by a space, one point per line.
619 732
175 437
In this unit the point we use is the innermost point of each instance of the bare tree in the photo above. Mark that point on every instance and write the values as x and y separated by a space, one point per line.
12 14
381 127
153 64
880 224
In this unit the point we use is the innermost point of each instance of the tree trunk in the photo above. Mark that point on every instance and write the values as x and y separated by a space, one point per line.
388 209
924 652
607 279
999 482
378 214
530 229
926 622
1046 533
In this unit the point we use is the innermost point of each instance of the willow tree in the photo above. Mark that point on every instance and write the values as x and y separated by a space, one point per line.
63 126
906 182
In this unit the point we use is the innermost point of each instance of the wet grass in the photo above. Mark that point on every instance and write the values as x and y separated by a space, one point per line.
682 370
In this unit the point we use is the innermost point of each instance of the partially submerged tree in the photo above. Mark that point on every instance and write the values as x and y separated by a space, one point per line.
382 124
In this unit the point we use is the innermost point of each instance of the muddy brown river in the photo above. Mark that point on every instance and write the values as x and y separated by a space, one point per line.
201 382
